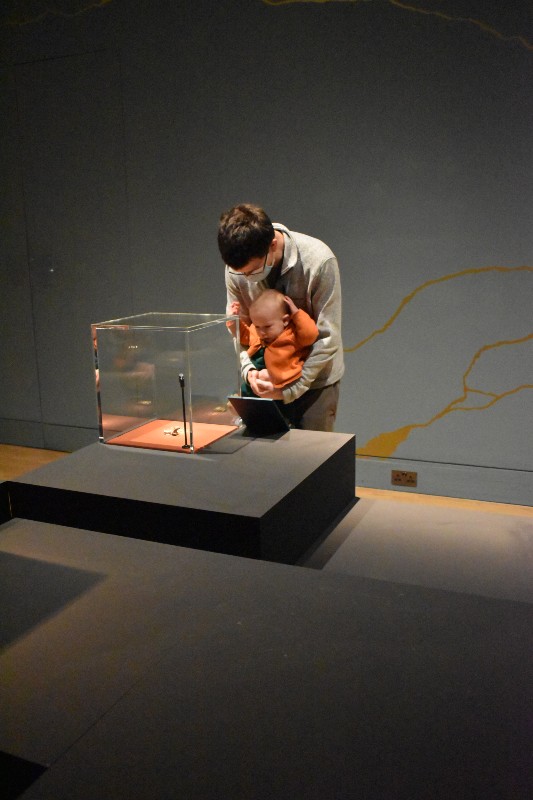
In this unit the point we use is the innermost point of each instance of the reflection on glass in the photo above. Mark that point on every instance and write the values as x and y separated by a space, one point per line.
157 373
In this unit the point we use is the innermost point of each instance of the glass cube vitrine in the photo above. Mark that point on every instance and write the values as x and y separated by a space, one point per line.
163 380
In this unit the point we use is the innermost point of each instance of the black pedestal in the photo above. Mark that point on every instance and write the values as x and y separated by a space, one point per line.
268 498
5 512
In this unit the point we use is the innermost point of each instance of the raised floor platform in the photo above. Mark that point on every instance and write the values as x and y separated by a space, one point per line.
134 670
270 498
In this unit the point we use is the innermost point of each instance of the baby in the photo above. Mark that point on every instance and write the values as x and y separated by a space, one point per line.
278 340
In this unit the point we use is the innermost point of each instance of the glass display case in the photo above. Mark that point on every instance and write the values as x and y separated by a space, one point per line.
163 380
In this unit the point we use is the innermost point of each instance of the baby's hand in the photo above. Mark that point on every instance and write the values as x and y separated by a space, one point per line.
264 375
235 307
290 303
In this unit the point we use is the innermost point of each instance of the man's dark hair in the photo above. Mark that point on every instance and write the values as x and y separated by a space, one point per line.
244 232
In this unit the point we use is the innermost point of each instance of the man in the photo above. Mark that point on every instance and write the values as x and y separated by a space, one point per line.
261 255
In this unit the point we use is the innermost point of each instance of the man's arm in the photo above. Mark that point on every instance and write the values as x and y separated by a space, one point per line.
305 328
326 310
234 295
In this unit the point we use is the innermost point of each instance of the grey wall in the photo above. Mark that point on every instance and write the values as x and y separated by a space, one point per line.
401 138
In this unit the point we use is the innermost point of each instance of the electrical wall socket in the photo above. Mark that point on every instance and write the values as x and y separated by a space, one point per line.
401 478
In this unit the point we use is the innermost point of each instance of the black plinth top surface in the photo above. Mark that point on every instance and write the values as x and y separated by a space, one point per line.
248 481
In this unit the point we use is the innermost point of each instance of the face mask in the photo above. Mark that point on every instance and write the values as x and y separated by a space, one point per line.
255 277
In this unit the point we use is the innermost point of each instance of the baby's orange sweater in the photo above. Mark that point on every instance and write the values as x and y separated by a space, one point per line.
284 357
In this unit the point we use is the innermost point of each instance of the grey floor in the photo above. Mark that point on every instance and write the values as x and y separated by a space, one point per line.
156 671
439 546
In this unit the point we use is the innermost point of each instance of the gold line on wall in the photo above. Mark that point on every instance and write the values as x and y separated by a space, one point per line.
469 20
385 444
478 23
31 12
433 282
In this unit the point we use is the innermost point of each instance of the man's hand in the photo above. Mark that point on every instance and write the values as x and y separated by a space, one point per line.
292 307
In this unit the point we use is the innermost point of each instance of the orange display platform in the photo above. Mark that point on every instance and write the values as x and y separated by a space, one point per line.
166 434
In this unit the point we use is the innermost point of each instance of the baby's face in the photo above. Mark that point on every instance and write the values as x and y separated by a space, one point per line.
269 323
